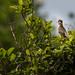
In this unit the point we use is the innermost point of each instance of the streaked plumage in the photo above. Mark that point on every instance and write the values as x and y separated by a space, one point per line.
62 31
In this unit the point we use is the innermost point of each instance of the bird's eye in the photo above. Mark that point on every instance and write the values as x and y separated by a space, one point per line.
60 21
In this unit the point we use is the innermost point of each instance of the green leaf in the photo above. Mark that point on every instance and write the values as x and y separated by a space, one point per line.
12 71
27 52
69 32
15 7
27 70
73 31
10 51
51 62
34 68
72 38
49 22
45 63
2 53
12 57
46 49
46 56
19 8
39 51
31 35
19 54
51 29
20 2
29 22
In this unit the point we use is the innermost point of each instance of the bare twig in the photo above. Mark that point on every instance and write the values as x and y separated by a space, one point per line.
18 67
69 25
14 35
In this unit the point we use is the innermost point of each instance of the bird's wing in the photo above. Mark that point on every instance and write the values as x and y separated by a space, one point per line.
62 30
66 34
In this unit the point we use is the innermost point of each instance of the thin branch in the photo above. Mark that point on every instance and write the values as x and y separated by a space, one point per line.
20 47
18 67
69 25
24 34
14 35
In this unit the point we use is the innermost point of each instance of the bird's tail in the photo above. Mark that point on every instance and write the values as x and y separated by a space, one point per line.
67 35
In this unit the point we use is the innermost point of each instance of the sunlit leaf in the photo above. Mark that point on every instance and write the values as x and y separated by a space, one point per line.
59 36
34 68
72 38
50 22
31 35
27 52
19 54
10 51
51 29
39 51
46 56
15 7
73 31
46 49
20 2
12 57
2 52
29 22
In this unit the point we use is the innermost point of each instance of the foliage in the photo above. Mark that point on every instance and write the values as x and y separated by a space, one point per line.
39 53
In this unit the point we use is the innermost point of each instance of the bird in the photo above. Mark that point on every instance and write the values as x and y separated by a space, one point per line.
62 31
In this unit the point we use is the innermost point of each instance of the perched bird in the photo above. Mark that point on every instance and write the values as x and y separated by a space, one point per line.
62 31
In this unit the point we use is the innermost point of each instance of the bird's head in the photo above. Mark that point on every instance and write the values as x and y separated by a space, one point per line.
60 22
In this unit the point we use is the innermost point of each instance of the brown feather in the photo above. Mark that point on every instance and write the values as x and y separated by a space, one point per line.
62 31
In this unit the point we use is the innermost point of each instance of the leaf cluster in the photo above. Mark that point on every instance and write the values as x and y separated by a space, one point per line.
39 53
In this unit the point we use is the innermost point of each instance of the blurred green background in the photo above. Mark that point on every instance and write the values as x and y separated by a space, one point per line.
7 15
